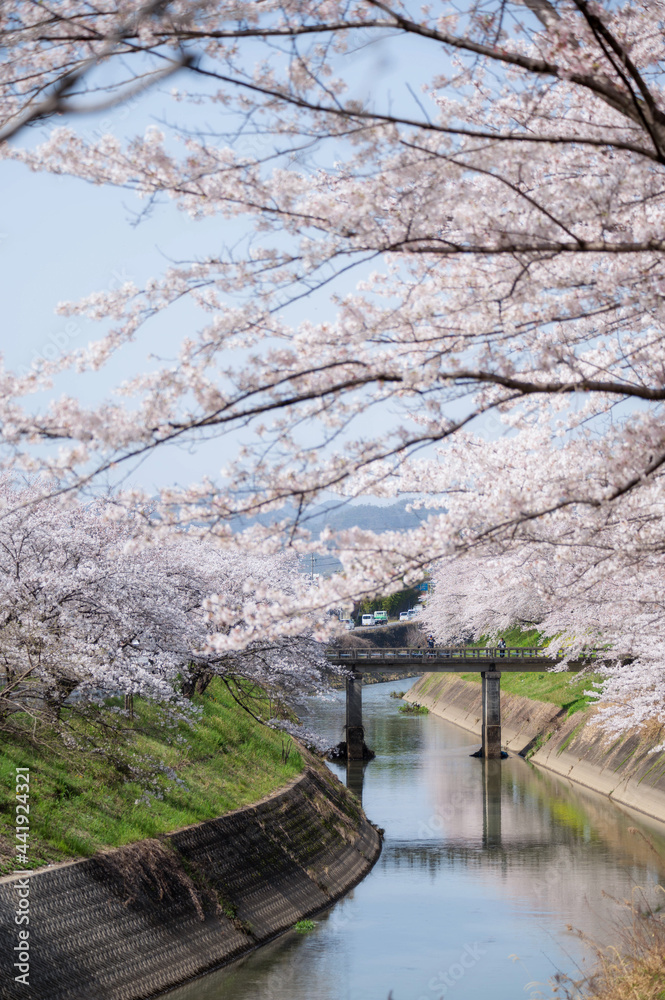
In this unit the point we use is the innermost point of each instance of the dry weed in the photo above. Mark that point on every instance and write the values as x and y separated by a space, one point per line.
150 870
652 731
631 969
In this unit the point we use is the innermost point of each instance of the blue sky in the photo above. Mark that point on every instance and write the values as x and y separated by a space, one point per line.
61 238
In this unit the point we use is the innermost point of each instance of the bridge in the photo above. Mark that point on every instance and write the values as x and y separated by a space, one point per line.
491 662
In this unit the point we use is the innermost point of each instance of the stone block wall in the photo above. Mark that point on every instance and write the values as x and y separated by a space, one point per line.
129 923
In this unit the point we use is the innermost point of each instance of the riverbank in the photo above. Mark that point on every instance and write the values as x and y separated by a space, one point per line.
130 923
550 736
500 862
632 970
116 779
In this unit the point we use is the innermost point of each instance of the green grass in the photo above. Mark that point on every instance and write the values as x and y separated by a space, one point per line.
428 682
304 926
150 777
540 741
565 690
410 709
514 637
569 738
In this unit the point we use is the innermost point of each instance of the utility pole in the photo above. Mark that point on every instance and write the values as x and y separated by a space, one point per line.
311 574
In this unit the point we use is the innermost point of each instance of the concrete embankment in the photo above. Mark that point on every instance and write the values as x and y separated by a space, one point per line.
625 769
132 922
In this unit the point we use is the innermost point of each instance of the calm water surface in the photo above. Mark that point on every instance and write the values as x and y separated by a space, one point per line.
484 870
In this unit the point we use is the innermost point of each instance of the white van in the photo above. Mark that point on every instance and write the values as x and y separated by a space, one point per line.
367 620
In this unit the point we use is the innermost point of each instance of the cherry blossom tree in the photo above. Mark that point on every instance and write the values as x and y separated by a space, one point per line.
502 348
473 597
56 50
87 613
574 607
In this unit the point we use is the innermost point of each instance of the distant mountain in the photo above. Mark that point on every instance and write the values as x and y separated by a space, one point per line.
339 515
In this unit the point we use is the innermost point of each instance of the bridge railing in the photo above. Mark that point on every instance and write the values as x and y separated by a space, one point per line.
449 653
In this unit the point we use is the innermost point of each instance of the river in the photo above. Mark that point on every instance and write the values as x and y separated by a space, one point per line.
485 869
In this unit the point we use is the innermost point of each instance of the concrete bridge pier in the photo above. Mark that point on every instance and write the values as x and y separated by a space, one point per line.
491 725
355 734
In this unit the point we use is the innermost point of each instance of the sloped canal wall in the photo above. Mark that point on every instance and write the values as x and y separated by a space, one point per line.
625 769
131 922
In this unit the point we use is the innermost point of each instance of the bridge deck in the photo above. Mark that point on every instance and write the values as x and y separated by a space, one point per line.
490 662
453 659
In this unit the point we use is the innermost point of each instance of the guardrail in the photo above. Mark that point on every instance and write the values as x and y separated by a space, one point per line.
451 653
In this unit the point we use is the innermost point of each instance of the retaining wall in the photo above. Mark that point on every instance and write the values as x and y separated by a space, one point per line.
132 922
625 769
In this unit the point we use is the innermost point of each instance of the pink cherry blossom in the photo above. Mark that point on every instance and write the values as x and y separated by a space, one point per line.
484 268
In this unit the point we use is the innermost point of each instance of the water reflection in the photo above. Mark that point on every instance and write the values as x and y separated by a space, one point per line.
484 864
355 776
491 773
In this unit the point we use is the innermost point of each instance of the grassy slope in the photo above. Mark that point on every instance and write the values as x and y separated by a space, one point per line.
566 690
81 801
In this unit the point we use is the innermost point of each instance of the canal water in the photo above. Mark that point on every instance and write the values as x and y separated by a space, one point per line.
489 872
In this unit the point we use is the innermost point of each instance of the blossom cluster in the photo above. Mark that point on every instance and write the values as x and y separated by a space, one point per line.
502 349
87 610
